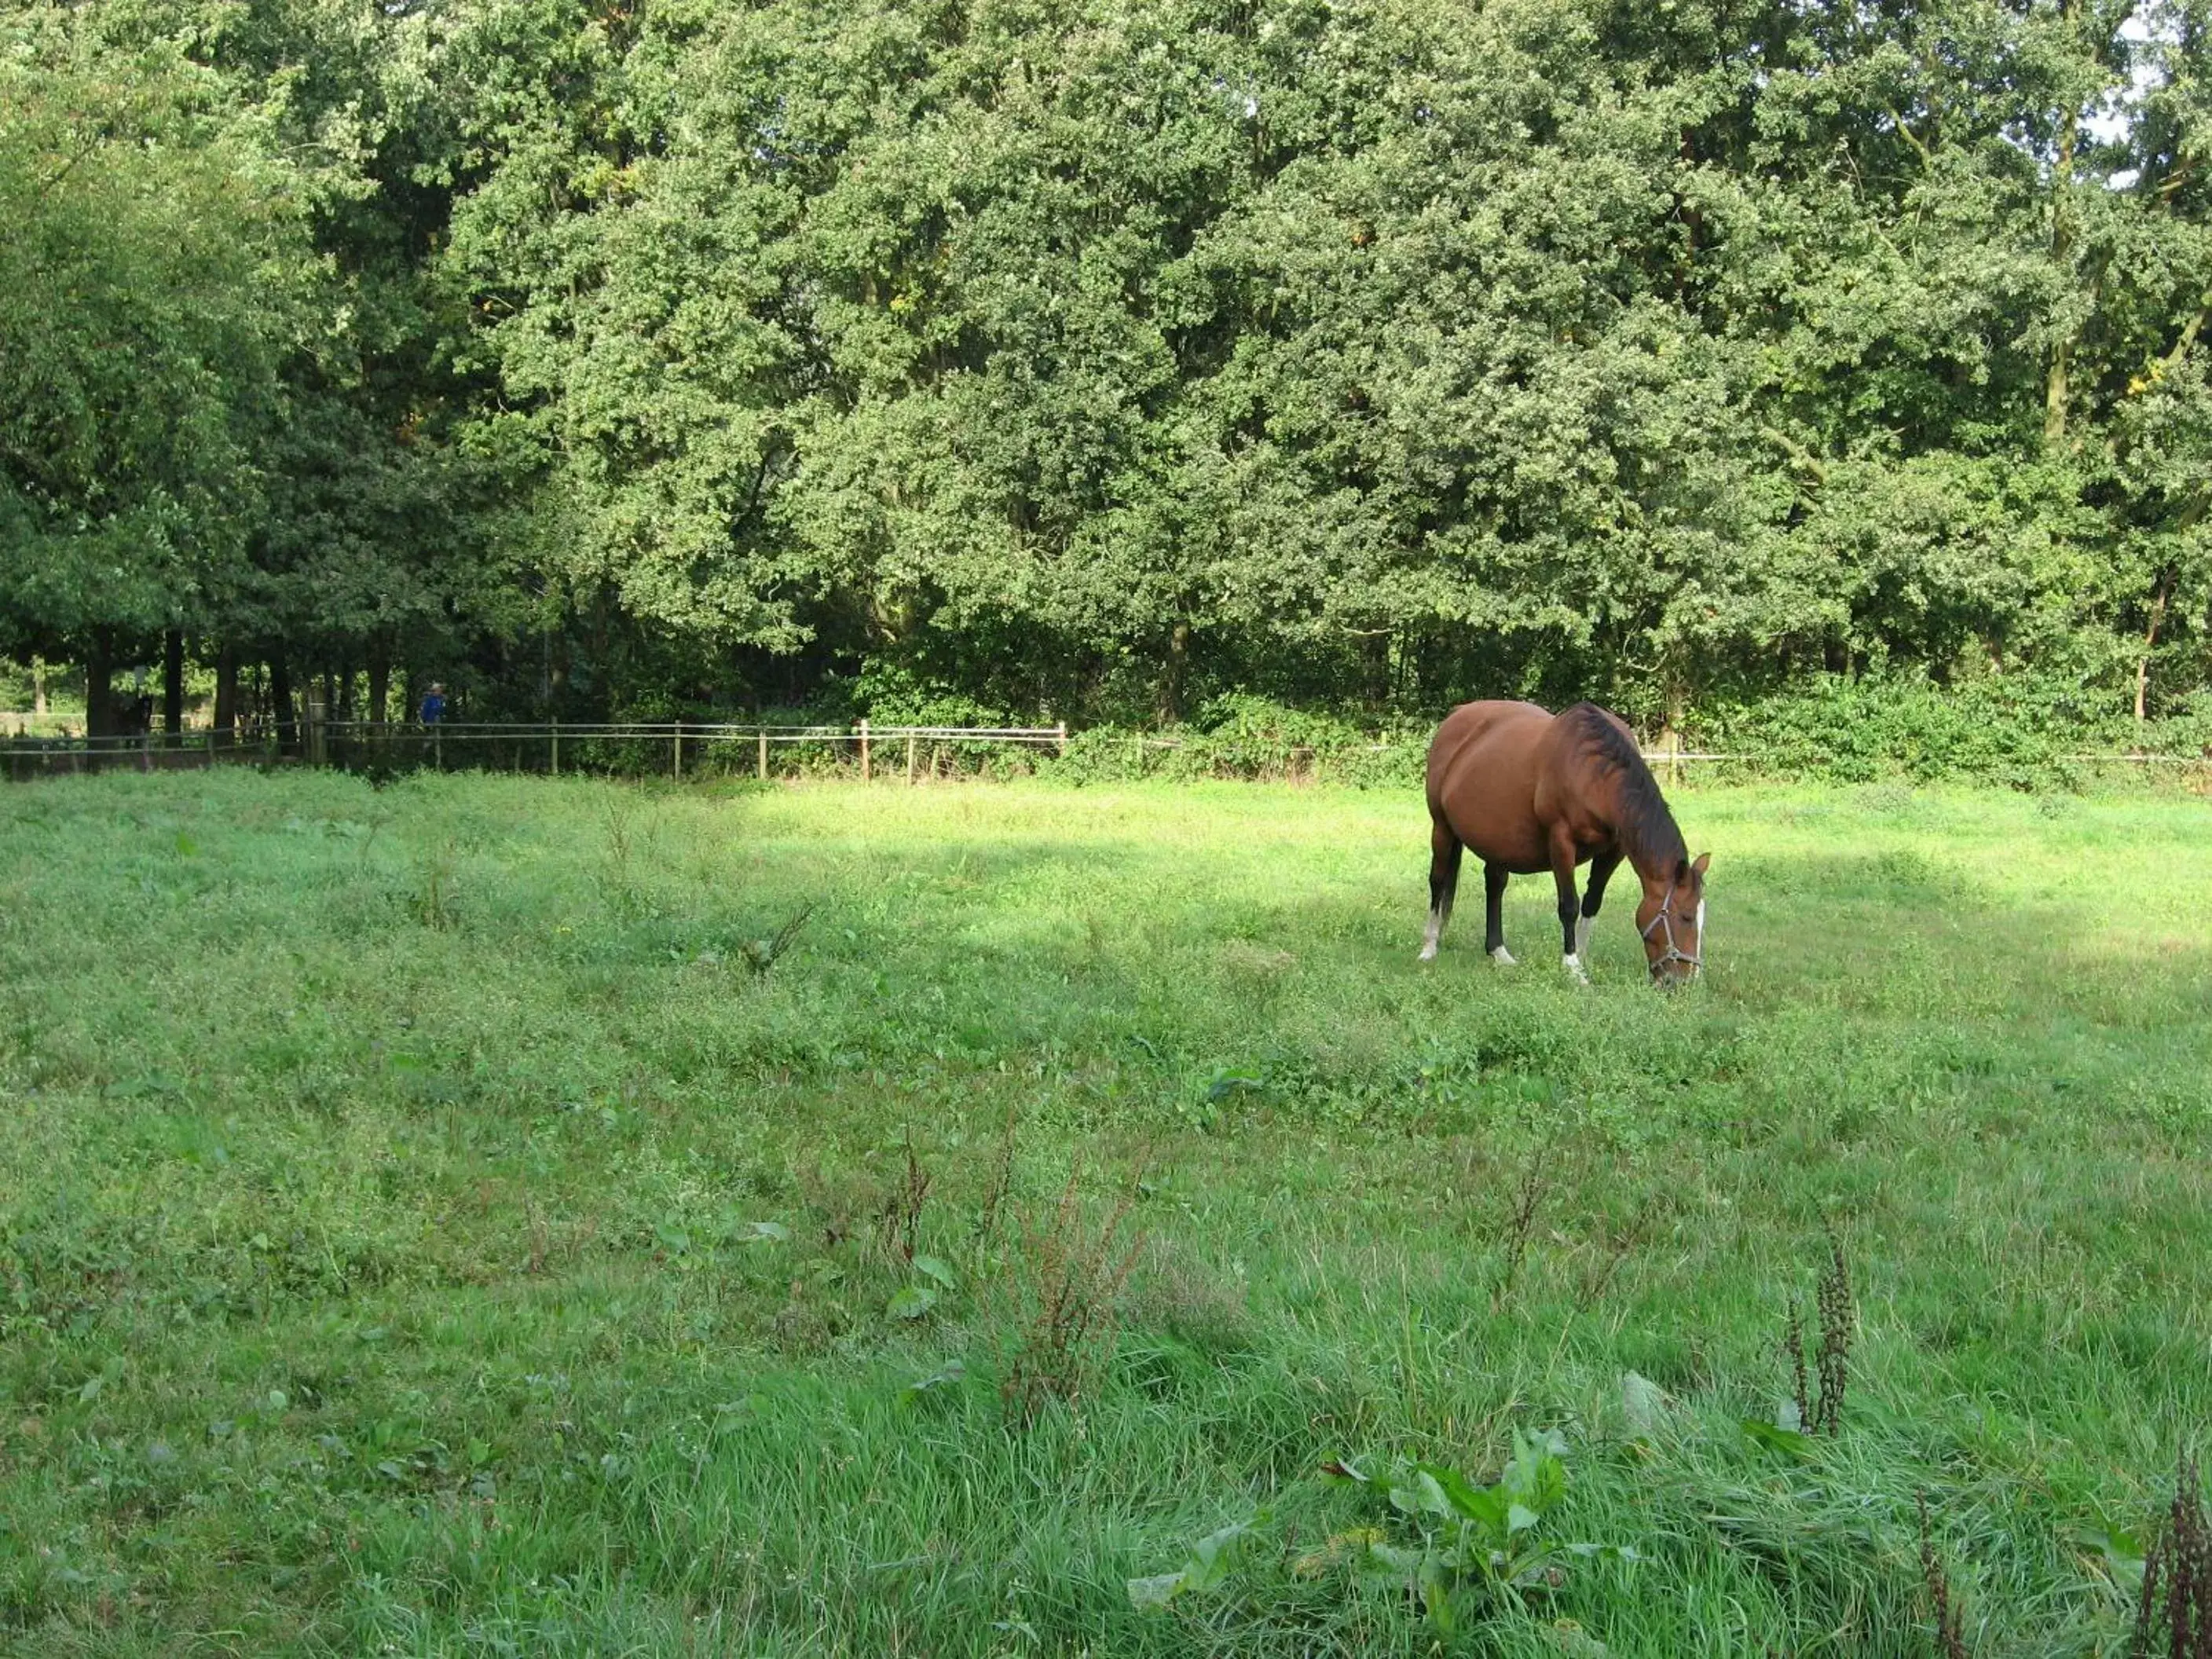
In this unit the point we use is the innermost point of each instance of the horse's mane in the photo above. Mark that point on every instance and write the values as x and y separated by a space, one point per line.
1646 829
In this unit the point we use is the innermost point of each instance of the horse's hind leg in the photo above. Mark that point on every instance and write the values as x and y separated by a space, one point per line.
1562 871
1493 905
1443 881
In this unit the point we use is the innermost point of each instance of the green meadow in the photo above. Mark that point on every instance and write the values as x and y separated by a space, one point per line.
491 1215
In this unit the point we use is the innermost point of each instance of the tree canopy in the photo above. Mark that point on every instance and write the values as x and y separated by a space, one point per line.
1100 358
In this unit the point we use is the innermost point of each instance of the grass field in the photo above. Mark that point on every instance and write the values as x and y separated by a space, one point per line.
433 1225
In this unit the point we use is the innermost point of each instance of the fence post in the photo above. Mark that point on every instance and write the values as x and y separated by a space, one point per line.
864 751
676 752
909 759
763 754
557 748
1062 732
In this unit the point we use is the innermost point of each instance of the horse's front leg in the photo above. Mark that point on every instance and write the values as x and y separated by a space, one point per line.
1602 869
1562 871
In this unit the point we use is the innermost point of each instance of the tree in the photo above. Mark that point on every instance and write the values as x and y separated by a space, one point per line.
1106 358
142 302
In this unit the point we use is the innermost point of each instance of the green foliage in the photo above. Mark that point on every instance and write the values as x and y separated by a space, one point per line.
1086 358
149 283
1074 361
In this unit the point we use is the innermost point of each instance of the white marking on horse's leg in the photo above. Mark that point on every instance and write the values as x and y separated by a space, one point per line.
1503 957
1429 938
1581 937
1573 964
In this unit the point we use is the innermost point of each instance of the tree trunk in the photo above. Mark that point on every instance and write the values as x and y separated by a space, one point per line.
2055 393
98 704
172 682
379 686
280 695
1172 671
2150 643
1376 650
226 695
343 711
2057 388
38 685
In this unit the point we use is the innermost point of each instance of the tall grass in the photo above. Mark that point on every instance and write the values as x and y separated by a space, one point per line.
451 1218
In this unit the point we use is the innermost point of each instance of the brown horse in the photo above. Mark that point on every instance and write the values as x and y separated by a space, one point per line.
1528 790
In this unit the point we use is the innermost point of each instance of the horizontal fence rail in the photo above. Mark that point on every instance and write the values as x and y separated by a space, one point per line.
672 747
551 746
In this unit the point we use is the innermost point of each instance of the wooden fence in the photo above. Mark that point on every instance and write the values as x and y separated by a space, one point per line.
675 748
633 747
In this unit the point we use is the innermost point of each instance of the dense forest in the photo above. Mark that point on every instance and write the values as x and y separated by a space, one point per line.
1093 360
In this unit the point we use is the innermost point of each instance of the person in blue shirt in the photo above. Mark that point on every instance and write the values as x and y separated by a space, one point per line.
433 706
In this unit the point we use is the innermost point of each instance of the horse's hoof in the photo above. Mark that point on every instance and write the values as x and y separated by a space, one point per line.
1575 969
1503 957
1428 953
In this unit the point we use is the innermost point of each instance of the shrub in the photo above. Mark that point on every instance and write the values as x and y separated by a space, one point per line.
2010 729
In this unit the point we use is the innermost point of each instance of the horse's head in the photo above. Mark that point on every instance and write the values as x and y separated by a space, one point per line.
1671 918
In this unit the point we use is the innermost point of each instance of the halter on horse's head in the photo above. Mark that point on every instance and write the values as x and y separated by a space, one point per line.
1674 931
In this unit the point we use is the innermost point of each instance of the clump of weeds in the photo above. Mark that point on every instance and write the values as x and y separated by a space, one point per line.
2173 1614
1822 1412
1950 1636
898 1218
1066 1274
433 902
1001 1180
759 955
1455 1549
1521 1225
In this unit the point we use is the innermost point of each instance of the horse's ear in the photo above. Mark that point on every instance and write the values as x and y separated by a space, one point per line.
1697 869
